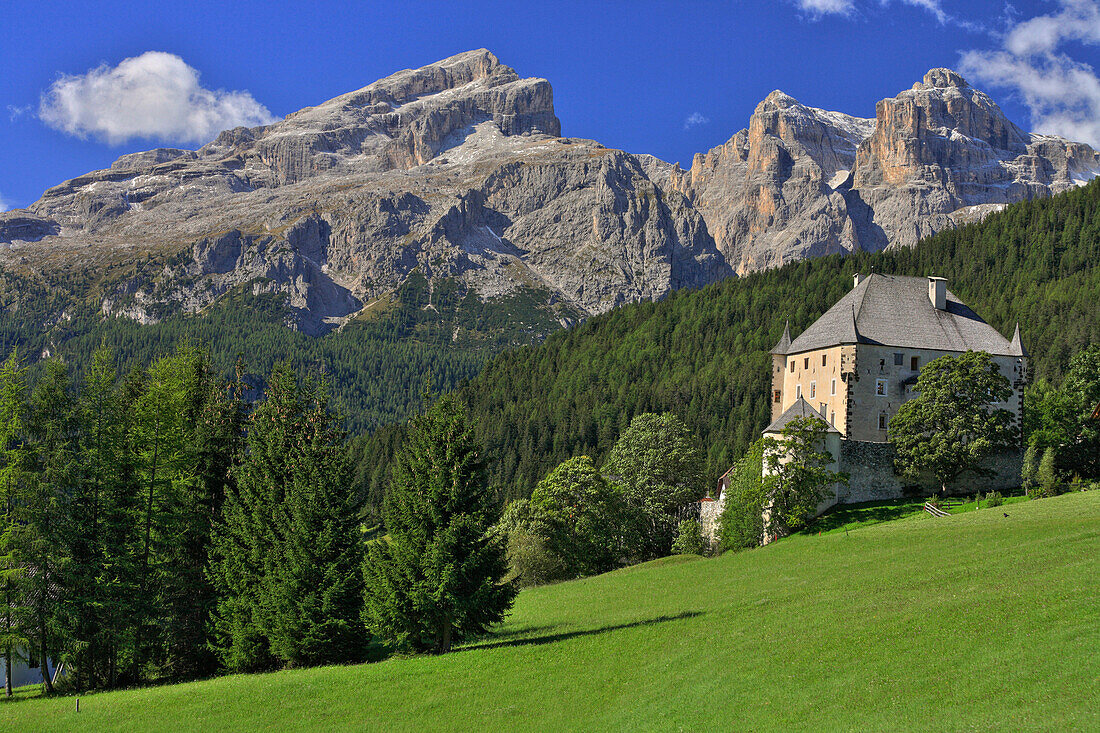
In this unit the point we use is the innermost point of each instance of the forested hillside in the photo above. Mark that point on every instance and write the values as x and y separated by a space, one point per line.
377 365
704 354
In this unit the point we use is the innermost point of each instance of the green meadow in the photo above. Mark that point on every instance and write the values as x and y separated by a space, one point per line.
976 621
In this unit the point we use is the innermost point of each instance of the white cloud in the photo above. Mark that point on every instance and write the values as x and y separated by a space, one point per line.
1062 95
4 203
818 8
15 112
932 6
695 118
155 95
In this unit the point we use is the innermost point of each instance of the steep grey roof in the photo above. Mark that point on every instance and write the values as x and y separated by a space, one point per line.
893 310
785 341
800 408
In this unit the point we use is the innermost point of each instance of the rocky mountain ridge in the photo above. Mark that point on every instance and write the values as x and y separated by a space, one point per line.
457 171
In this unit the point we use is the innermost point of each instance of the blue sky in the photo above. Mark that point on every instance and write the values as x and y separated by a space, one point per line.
666 78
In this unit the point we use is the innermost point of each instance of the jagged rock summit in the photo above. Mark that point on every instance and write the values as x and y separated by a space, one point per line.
802 182
457 172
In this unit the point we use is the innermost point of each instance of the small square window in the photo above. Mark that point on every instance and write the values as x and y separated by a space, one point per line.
880 387
899 359
882 421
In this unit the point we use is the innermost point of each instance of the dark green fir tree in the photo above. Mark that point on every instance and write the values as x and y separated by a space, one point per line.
438 579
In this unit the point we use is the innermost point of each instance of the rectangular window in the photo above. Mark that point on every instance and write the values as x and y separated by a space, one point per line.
792 366
807 364
823 359
797 391
822 408
880 387
778 396
813 390
832 417
914 363
882 421
899 359
832 388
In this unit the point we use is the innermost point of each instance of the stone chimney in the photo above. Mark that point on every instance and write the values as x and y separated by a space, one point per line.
937 292
858 279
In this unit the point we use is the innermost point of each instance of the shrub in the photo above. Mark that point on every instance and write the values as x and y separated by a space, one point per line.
689 539
1047 475
531 561
936 501
994 498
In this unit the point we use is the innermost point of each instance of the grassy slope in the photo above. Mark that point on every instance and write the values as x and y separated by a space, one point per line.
976 621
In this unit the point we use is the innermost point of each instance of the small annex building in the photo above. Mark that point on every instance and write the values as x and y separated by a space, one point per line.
856 365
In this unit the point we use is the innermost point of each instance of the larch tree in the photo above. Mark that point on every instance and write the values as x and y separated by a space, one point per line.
13 465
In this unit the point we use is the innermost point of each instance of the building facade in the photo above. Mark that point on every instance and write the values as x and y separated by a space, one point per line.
858 363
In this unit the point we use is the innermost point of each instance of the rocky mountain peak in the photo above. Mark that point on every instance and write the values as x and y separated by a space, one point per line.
776 100
941 78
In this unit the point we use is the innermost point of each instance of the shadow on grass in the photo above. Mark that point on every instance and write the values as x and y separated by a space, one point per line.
871 512
551 638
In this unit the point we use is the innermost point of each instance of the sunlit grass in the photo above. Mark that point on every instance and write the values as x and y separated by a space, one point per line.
971 622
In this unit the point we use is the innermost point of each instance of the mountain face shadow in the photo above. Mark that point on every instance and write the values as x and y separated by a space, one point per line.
551 638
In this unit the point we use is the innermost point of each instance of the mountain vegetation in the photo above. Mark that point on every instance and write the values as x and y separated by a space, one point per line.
704 355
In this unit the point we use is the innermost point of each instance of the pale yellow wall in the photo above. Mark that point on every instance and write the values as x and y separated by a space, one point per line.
818 375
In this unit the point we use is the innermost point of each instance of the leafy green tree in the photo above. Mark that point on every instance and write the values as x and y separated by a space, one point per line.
799 475
438 579
689 539
1081 396
741 523
524 535
953 425
588 521
1047 474
660 470
102 605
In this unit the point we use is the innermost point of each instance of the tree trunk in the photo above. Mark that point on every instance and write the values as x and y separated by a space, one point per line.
47 678
7 670
445 643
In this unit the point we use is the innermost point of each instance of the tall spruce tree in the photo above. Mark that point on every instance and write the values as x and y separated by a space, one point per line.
247 529
313 582
438 579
